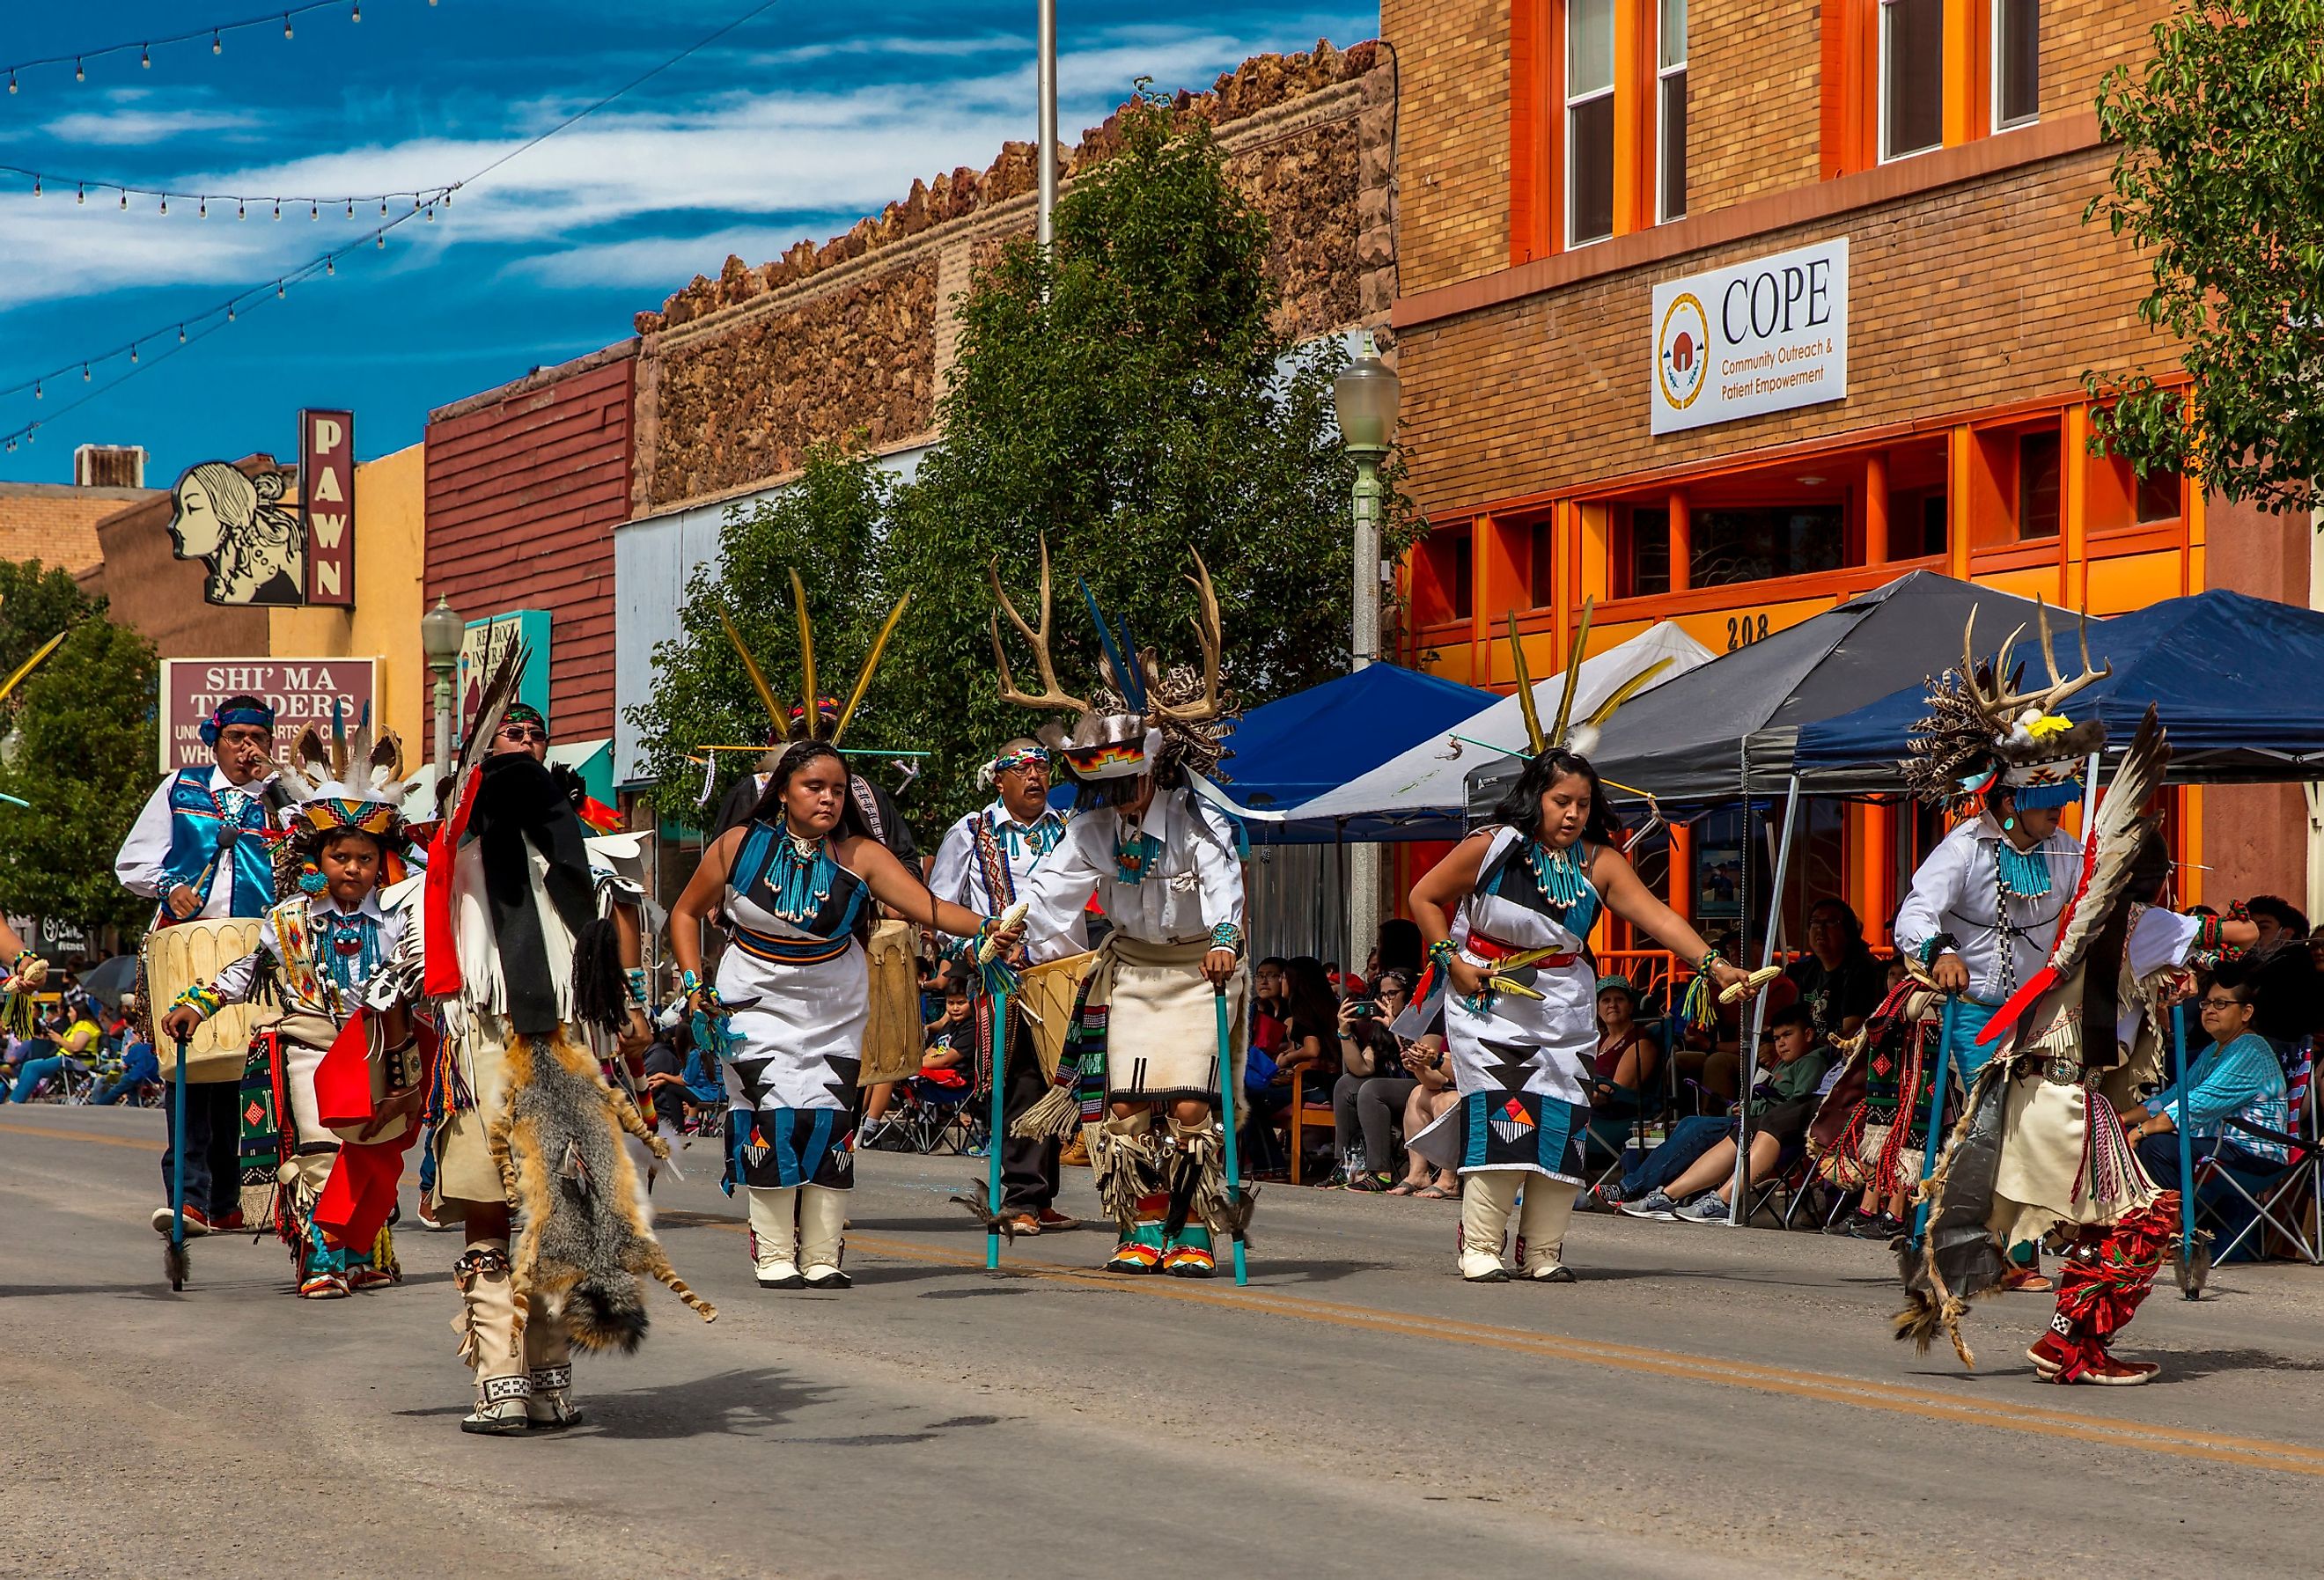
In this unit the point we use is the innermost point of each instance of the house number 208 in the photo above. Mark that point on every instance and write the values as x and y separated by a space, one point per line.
1745 629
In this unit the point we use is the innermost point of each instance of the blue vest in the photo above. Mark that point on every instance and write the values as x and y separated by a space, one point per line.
196 823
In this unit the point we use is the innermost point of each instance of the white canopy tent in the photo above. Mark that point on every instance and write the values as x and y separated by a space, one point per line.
1421 793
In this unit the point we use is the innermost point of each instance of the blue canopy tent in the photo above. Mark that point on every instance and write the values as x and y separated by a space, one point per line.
2233 677
1297 747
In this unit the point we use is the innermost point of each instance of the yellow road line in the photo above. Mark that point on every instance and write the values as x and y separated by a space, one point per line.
2037 1420
1829 1388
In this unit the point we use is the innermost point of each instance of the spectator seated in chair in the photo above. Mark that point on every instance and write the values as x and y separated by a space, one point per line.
1432 1094
1303 1071
2237 1077
1372 1092
1839 980
1626 1067
947 1054
1701 1152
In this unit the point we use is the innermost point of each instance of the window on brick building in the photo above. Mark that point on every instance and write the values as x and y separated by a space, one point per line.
1670 102
1912 77
2158 496
2016 62
2037 485
1757 543
1589 121
1541 576
1642 563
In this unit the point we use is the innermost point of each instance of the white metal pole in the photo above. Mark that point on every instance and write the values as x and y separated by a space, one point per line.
1739 1211
1045 77
1364 867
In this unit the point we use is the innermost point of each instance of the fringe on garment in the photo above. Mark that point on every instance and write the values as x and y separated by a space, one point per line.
1053 1118
601 995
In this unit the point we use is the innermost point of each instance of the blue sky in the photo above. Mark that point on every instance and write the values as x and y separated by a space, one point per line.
790 127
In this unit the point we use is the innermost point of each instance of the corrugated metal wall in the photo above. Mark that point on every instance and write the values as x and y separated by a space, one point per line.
523 494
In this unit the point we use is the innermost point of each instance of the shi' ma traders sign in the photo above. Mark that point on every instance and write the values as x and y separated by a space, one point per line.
301 691
1765 335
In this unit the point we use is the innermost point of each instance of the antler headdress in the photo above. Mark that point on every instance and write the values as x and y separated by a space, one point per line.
1143 712
811 707
1580 739
1983 731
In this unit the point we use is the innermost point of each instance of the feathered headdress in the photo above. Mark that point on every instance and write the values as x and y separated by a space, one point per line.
348 781
1142 715
811 710
1982 732
1580 739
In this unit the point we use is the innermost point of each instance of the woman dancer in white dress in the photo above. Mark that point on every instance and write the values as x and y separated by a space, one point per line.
792 998
1535 881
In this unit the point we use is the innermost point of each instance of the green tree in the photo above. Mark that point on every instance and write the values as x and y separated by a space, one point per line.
825 527
1127 396
2219 179
84 763
36 602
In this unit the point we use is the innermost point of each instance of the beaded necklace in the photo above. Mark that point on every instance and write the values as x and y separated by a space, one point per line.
1133 856
350 947
800 875
1556 872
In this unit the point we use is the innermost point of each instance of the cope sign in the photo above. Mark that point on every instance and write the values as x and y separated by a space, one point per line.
1763 335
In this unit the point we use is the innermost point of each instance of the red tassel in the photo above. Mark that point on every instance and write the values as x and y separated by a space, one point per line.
343 1080
2006 1015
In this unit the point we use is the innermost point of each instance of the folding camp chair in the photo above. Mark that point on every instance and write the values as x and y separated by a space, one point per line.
2273 1198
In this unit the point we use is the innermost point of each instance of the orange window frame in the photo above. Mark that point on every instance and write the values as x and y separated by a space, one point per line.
1537 123
1852 76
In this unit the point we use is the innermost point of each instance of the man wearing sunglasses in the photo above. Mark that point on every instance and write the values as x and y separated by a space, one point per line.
987 860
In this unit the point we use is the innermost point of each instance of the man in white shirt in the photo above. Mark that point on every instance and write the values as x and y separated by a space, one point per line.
985 863
200 849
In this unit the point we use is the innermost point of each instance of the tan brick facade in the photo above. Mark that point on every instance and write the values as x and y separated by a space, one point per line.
1755 64
56 524
1453 65
1959 299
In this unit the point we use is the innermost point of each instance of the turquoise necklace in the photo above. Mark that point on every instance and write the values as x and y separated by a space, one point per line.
1556 872
2022 874
1135 855
800 875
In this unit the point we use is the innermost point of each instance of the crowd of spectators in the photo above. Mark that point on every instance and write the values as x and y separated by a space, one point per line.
80 1051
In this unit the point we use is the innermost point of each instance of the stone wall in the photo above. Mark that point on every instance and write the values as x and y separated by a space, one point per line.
739 375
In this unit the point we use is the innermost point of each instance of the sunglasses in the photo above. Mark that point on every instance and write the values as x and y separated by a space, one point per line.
523 733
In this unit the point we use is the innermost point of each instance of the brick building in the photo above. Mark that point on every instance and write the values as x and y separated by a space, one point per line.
1565 158
852 341
525 485
56 523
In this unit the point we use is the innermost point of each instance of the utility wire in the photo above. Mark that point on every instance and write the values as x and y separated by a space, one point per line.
216 32
227 311
44 180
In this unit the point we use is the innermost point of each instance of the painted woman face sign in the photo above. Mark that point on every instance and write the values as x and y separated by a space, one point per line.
256 550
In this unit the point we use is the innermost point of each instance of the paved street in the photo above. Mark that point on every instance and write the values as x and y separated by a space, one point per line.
1703 1402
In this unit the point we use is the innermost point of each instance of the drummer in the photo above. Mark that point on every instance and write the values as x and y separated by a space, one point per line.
983 862
202 848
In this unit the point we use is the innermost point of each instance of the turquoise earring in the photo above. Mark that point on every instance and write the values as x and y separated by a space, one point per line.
2007 824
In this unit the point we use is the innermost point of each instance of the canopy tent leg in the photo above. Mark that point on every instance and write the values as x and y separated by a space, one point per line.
1738 1212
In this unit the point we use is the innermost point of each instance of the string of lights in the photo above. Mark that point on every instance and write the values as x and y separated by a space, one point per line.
216 32
194 326
80 187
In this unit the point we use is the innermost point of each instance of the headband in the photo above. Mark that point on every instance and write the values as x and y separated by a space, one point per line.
1007 762
219 718
524 713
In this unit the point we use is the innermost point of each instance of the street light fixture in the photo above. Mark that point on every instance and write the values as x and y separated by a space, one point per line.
1364 397
441 632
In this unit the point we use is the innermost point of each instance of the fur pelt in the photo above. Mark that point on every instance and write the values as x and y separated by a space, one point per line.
1959 1260
586 1241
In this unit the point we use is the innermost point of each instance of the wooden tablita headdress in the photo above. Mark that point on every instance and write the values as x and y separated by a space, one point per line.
1579 739
811 709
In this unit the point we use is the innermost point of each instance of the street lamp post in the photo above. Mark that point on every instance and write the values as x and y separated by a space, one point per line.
1364 396
442 630
1045 93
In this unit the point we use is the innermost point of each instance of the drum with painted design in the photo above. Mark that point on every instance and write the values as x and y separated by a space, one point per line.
1044 998
891 1042
176 957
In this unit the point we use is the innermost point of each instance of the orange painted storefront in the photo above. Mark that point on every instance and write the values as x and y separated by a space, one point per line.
1979 298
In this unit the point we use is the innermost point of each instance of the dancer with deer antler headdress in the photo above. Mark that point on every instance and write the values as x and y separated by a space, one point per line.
323 1079
794 885
2066 1032
1984 905
1508 916
1141 1070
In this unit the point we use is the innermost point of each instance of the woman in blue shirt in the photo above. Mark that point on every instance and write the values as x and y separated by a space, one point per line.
2238 1078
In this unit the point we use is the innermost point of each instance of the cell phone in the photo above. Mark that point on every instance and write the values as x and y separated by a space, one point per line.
1362 1008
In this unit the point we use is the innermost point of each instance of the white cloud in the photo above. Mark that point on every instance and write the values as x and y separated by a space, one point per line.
135 128
596 205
